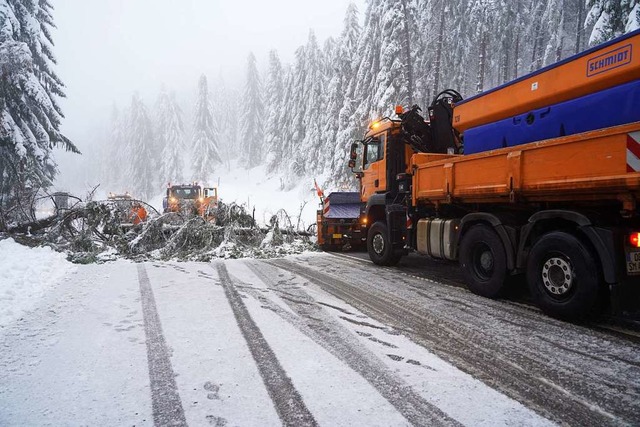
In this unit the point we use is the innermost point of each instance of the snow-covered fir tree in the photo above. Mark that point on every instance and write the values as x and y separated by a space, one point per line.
554 27
368 65
171 137
294 116
309 149
341 95
347 63
205 149
274 92
30 116
225 116
252 133
161 121
286 117
480 13
611 18
144 159
117 154
508 39
333 101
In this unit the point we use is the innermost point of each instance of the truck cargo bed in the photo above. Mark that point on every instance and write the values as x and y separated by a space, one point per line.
597 165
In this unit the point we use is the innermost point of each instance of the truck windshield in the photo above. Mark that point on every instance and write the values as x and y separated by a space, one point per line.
185 192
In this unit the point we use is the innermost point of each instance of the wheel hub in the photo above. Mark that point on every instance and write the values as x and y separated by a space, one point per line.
486 260
378 244
557 276
483 261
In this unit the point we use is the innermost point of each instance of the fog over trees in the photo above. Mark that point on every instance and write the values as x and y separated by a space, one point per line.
296 119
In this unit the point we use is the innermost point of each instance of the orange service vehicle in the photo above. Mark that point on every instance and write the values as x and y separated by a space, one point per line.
538 178
191 200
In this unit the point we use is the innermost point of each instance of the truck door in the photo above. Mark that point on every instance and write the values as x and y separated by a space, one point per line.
397 153
374 179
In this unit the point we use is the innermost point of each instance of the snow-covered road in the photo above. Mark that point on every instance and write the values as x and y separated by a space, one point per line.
309 340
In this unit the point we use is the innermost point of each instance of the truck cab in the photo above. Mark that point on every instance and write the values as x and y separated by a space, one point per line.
191 199
378 161
379 158
182 198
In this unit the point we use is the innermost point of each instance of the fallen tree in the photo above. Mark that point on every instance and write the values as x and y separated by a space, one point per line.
98 231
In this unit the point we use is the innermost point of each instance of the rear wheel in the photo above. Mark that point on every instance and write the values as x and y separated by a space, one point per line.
563 276
379 247
483 261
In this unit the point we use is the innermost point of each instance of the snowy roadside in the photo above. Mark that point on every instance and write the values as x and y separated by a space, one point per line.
26 275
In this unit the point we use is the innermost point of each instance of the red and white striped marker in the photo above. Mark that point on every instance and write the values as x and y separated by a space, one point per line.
633 152
326 207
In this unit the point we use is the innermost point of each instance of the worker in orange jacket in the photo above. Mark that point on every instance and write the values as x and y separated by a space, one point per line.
138 214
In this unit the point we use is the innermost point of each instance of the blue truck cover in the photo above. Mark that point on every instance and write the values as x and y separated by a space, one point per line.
343 204
610 107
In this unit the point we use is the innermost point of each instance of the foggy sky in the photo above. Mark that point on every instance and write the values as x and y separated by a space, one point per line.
107 49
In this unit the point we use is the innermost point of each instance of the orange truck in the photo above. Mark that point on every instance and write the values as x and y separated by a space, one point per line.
538 178
191 200
131 210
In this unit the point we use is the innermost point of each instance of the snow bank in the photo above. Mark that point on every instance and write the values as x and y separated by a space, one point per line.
25 276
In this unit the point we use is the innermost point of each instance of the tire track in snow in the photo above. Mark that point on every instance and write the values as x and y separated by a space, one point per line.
165 399
334 338
596 366
287 400
468 350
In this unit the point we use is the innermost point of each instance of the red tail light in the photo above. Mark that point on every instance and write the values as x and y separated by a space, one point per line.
634 239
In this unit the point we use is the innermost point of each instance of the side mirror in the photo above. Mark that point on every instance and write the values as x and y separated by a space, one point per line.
353 154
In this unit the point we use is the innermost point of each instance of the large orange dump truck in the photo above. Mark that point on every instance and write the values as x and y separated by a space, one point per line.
538 179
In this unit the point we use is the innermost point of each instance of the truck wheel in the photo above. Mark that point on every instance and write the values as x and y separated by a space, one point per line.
380 249
483 261
563 276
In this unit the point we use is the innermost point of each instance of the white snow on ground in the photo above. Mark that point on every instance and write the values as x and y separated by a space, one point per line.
217 378
456 393
81 359
26 274
333 392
